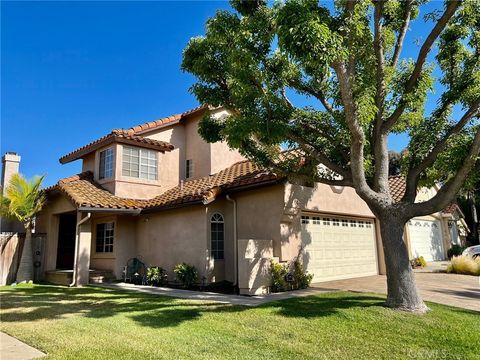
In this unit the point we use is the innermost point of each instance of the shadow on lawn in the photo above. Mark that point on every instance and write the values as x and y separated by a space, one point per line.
55 302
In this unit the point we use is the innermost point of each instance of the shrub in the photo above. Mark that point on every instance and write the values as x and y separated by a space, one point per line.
464 265
187 274
418 262
280 272
156 275
455 250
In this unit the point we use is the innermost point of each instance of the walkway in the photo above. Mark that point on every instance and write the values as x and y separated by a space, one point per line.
13 349
209 296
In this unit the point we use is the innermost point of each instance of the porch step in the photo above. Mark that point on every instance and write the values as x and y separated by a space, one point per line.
101 276
64 277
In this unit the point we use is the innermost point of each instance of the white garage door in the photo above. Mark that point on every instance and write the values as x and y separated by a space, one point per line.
426 239
338 248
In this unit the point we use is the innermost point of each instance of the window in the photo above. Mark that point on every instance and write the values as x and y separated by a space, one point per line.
139 163
353 223
326 221
361 223
344 222
104 239
188 168
336 222
106 164
305 219
316 220
218 236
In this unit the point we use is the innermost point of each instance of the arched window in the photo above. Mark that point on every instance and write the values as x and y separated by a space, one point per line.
217 230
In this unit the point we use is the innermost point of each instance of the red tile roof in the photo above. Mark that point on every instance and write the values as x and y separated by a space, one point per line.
83 191
166 121
397 187
116 136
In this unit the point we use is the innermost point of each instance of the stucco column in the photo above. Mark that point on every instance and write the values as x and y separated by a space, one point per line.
84 239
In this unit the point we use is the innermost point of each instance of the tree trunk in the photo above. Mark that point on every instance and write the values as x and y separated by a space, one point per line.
25 269
402 291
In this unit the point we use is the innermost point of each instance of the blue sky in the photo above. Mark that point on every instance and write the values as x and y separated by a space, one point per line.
72 71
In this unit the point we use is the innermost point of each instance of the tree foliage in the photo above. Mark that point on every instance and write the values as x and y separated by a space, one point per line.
329 84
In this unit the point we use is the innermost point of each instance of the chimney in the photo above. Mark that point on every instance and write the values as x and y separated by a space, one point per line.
11 165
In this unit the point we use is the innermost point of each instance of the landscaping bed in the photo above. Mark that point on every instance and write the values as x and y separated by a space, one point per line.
89 322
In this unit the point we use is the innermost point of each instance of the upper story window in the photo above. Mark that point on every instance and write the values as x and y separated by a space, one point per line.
139 163
104 240
106 164
188 168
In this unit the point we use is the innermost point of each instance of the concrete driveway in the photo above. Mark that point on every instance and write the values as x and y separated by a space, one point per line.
450 289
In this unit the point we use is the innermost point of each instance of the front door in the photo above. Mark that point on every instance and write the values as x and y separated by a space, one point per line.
66 241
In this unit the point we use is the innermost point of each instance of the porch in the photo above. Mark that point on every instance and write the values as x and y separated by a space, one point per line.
65 277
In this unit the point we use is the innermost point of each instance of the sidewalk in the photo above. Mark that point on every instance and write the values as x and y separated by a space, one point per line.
13 349
209 296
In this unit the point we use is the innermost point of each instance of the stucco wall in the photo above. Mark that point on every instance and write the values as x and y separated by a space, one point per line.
170 237
88 163
196 149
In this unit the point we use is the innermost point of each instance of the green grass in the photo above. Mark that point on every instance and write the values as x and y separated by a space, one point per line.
94 323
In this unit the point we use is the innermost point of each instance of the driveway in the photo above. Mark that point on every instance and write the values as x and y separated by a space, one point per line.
449 289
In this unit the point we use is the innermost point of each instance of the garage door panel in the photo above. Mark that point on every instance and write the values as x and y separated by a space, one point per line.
426 239
337 248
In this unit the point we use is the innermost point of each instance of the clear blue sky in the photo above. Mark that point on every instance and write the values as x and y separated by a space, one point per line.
72 71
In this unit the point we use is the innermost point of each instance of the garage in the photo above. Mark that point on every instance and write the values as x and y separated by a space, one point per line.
426 239
338 247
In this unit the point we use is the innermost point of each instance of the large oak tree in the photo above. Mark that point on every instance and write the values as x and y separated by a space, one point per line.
330 82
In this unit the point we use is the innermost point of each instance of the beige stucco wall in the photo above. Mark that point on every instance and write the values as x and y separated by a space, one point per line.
196 149
170 237
88 163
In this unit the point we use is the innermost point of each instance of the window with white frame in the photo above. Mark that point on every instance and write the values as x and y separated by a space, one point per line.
305 219
188 168
217 229
104 240
106 164
139 163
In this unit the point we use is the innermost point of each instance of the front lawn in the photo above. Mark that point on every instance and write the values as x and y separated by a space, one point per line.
94 323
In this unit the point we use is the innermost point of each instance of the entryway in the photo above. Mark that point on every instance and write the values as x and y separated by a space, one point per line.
66 240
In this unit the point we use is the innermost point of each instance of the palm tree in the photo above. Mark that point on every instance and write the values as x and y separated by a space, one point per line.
22 199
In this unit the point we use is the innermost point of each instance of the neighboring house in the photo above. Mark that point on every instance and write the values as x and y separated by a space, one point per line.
158 191
431 236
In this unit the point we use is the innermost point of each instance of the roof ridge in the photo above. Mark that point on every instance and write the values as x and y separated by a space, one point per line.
153 124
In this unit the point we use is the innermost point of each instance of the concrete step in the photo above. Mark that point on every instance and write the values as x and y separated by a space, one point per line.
101 276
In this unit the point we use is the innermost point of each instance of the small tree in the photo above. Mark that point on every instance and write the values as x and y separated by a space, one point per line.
21 200
330 83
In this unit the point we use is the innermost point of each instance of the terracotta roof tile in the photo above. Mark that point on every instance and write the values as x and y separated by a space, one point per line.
240 174
85 192
117 135
397 187
168 120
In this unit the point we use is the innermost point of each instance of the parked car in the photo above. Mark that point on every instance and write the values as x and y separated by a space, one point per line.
473 251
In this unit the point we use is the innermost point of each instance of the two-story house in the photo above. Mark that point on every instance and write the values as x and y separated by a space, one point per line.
159 192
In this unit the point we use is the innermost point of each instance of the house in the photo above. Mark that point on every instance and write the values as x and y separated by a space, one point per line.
159 192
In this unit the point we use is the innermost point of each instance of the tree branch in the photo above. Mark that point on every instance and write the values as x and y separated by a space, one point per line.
318 94
379 140
320 157
422 57
453 186
402 33
414 172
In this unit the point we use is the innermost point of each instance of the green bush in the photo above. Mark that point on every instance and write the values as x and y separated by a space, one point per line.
464 265
187 274
279 273
156 275
455 250
419 262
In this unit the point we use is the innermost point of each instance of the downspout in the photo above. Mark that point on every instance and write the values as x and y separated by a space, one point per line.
77 238
235 239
